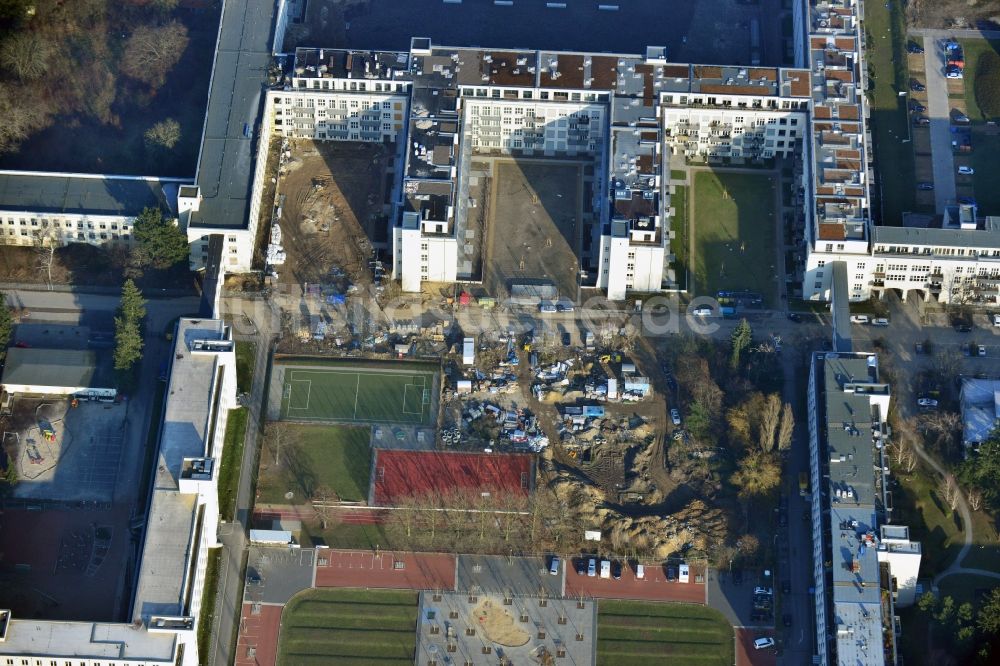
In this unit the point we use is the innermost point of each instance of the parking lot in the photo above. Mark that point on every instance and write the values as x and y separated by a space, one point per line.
654 585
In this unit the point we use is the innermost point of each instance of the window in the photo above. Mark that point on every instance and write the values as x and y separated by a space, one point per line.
821 263
829 247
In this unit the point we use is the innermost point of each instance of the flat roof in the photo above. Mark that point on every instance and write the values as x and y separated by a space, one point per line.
56 368
78 194
849 381
170 528
87 640
226 162
978 238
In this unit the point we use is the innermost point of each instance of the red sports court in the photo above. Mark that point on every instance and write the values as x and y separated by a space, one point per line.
401 474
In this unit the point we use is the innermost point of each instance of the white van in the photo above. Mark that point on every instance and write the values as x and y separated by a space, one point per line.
859 319
640 571
685 574
605 569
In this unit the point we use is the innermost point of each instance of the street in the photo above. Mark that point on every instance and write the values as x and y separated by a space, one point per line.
939 113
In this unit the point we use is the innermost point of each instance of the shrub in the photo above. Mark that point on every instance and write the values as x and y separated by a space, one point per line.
988 84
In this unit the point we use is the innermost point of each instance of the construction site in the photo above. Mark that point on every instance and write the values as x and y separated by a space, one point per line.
332 208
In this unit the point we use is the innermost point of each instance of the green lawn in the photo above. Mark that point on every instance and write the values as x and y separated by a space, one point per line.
680 244
886 55
348 627
207 617
318 455
362 394
635 633
232 457
985 144
246 358
734 235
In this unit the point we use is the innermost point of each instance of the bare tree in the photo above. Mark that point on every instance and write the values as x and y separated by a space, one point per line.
950 491
26 54
975 498
164 134
46 243
324 501
276 438
152 51
21 116
769 418
786 428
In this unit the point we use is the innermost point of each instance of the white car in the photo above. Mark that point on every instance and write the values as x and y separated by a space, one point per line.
927 402
702 311
966 170
996 320
675 417
554 566
763 643
859 319
880 321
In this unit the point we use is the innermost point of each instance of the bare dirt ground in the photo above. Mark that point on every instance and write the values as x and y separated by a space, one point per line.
950 13
334 199
534 225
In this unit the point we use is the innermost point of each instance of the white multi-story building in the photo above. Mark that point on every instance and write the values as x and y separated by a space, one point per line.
43 209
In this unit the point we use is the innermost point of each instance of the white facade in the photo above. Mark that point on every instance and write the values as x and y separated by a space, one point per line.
726 130
339 115
903 558
534 127
954 264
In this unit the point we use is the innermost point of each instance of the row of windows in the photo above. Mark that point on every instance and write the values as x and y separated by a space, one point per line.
941 251
44 224
356 86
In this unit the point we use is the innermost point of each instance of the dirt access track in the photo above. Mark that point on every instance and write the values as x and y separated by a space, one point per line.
336 202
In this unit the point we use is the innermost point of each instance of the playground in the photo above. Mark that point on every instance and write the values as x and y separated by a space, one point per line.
62 452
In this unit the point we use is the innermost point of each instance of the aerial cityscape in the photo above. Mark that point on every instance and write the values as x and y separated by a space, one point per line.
590 332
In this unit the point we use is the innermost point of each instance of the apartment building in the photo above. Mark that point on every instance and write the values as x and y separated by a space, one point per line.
838 215
859 570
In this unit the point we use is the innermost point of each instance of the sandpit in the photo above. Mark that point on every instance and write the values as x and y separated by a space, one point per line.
498 625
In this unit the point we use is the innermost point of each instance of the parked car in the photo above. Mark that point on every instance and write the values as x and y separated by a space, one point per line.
616 569
640 571
913 47
880 321
702 311
917 86
996 319
952 72
547 308
795 316
554 565
564 306
566 339
675 417
605 569
581 566
966 170
859 319
684 573
927 402
671 574
763 643
918 348
925 186
917 107
962 328
959 117
981 350
592 567
921 120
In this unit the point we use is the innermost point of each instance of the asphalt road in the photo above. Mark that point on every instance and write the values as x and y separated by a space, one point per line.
939 110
